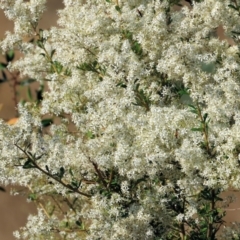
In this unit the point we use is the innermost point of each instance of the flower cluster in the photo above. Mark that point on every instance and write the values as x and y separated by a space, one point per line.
147 118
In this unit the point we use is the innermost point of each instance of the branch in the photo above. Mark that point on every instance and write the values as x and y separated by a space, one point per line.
99 174
50 175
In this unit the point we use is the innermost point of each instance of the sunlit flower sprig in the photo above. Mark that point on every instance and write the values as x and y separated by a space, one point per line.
147 99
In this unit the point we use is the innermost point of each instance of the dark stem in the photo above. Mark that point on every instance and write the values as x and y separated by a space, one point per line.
50 175
99 173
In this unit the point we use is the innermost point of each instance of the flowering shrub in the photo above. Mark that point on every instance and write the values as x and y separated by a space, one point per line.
152 97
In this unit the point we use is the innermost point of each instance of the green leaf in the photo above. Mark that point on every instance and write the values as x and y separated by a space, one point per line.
9 55
183 92
90 135
2 65
127 34
40 33
28 164
79 223
118 8
39 93
205 117
70 171
74 184
136 47
47 122
68 72
40 44
30 154
52 52
57 66
61 172
121 84
37 157
29 92
32 196
235 32
47 168
197 129
193 109
192 106
91 67
232 6
27 81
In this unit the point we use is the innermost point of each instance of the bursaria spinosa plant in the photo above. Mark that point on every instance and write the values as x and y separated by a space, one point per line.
148 98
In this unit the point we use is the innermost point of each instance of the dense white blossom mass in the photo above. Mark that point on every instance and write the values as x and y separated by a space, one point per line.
152 96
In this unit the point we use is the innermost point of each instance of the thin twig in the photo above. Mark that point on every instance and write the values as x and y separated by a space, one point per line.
50 175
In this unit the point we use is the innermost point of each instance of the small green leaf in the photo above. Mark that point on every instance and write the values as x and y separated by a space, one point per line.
2 65
57 66
79 183
40 44
27 81
136 47
70 171
32 196
52 52
30 154
40 33
79 223
92 66
47 168
197 129
90 135
232 6
74 184
61 172
205 117
183 92
47 122
29 92
193 109
28 164
118 8
121 84
39 93
68 72
9 55
235 32
52 211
